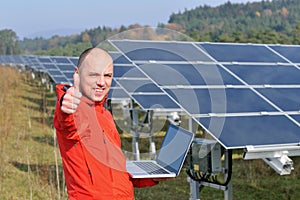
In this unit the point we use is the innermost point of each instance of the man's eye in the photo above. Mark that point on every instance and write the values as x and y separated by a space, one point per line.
108 75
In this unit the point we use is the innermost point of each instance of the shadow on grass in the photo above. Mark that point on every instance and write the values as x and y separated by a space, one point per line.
45 139
39 103
45 120
47 173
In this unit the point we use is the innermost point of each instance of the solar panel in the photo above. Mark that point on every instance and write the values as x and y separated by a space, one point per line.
74 60
287 99
128 71
188 74
50 66
169 51
156 101
239 131
240 53
44 59
288 51
266 74
139 86
60 79
296 117
66 67
55 73
220 100
119 58
69 75
242 94
58 59
118 93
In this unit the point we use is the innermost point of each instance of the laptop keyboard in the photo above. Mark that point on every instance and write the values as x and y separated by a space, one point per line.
151 168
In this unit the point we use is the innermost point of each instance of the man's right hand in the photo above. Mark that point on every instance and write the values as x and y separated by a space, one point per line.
72 97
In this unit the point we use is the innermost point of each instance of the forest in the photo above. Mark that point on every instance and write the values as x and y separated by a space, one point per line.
264 22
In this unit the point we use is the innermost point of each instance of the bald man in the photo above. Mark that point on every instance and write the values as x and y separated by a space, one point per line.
90 146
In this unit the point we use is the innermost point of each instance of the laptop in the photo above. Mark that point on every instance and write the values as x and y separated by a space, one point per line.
170 157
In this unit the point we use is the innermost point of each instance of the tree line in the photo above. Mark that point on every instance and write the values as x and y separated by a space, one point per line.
268 22
274 21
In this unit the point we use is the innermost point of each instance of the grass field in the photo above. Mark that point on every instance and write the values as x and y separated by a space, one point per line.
30 166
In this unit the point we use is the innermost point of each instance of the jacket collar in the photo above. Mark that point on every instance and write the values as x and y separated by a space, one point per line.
93 103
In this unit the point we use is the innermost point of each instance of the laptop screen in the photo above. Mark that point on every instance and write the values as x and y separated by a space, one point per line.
174 148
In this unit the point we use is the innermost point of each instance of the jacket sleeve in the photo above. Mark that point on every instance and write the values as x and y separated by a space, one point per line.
143 182
62 121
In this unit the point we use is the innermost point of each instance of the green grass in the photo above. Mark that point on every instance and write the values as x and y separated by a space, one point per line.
30 166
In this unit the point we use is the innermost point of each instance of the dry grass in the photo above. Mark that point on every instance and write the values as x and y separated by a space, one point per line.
27 169
30 166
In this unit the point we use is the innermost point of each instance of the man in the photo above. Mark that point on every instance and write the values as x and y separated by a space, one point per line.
89 143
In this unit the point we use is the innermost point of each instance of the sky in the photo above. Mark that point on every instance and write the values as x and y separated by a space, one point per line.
45 18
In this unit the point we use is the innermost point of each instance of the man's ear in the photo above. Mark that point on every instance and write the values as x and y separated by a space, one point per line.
76 70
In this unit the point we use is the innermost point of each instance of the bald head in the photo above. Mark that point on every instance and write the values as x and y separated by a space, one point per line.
94 53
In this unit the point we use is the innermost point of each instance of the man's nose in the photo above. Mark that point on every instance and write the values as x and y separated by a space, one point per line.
101 81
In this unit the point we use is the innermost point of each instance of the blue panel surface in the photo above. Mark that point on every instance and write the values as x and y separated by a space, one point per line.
74 61
113 83
44 60
288 51
127 71
160 51
296 117
266 74
117 94
240 53
233 100
59 79
66 67
188 74
118 58
288 99
133 86
55 72
153 102
50 66
237 132
62 60
69 75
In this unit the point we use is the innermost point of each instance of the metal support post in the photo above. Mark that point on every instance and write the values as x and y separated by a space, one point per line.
228 191
194 189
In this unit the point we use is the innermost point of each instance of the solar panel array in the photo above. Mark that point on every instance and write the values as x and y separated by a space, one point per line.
242 94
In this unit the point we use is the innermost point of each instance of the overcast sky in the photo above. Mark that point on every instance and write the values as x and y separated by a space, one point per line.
30 18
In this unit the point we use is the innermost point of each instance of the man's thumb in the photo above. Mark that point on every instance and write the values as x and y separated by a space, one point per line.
76 83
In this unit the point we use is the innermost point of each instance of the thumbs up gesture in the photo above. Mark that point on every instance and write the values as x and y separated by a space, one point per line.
72 97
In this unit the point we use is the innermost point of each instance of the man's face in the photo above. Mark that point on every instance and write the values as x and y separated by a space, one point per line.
96 73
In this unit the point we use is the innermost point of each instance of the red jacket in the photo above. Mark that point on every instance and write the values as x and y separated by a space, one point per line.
90 146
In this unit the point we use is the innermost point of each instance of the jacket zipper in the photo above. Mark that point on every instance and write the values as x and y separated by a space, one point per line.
106 150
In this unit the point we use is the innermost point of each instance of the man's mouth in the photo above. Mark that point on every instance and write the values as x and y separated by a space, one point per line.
99 91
